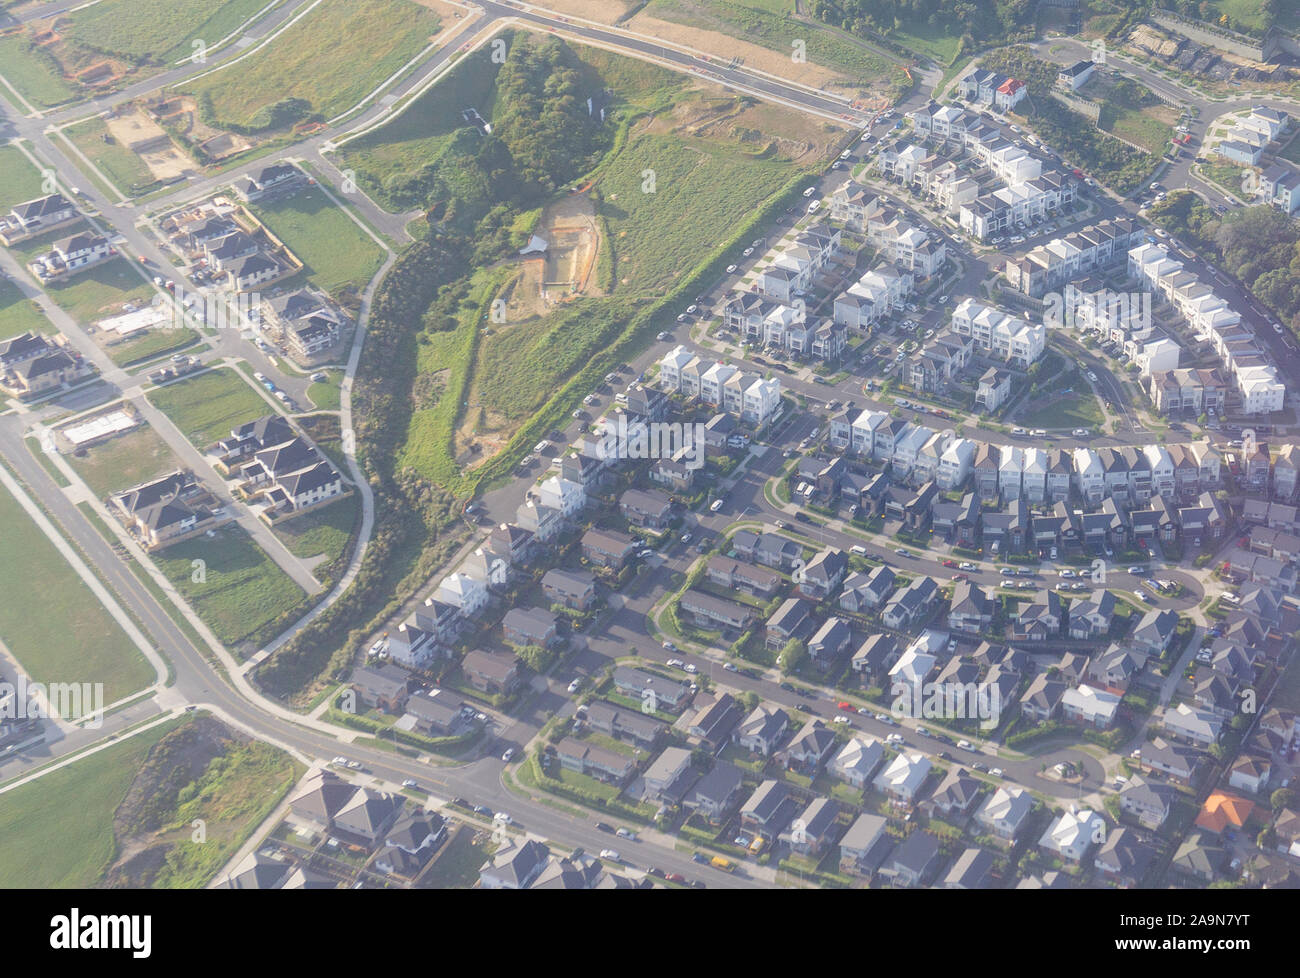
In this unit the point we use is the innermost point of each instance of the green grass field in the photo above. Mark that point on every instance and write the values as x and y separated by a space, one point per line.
1072 411
33 73
308 61
125 461
73 638
67 817
325 394
208 406
19 314
335 252
19 179
162 33
240 589
152 344
926 40
324 532
125 170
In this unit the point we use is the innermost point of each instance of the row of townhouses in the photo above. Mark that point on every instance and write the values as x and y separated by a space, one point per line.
1250 135
1258 382
763 322
748 396
1078 254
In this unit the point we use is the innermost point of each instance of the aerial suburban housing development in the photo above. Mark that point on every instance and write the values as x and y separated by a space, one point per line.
685 444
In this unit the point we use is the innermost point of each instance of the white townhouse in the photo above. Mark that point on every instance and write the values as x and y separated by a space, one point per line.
955 463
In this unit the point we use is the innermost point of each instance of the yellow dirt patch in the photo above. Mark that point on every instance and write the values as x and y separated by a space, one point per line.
149 141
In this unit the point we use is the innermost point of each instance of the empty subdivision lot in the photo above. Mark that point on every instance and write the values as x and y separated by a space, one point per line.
125 461
207 407
52 622
336 253
66 817
229 582
321 534
18 314
34 77
19 179
309 61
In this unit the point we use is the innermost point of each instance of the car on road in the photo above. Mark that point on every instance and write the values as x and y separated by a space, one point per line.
1143 596
675 663
841 719
1018 431
670 647
605 827
730 667
1080 432
894 738
354 765
340 760
966 565
698 857
611 854
1137 570
409 783
996 772
965 745
902 552
623 833
959 577
950 563
502 817
982 768
686 538
731 269
715 505
691 668
509 755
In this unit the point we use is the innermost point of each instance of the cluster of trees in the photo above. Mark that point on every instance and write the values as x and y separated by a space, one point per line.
1258 246
978 23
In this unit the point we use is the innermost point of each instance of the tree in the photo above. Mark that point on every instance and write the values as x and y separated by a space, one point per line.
536 658
1282 798
793 654
749 700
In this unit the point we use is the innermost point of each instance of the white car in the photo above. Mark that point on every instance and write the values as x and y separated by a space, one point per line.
841 719
894 739
340 760
354 765
623 833
611 854
966 565
715 505
691 668
996 772
731 269
409 783
503 818
676 663
508 755
686 538
575 685
730 667
1007 582
965 745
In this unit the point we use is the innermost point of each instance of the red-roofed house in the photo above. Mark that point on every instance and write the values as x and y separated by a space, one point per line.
1222 810
1009 94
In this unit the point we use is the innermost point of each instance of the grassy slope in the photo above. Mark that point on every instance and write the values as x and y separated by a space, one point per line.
163 32
17 314
309 61
32 73
19 180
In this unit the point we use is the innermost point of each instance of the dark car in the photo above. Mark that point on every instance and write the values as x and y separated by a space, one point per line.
803 517
698 884
787 687
461 802
605 827
656 871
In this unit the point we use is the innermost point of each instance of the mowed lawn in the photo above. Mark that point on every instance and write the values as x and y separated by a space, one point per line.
336 253
73 638
66 817
163 32
206 408
18 314
332 58
236 588
125 461
1072 411
33 73
19 179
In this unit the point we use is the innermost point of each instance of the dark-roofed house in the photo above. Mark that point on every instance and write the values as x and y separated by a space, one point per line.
318 800
1043 698
1125 858
809 749
715 719
911 605
866 592
713 612
269 181
651 509
1154 631
645 687
823 574
1040 619
368 814
514 865
608 548
491 672
669 776
762 730
572 588
971 609
411 843
814 828
529 626
383 687
876 655
769 809
747 578
914 862
1090 617
632 726
973 870
1147 801
438 712
829 642
715 794
957 793
793 620
594 761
